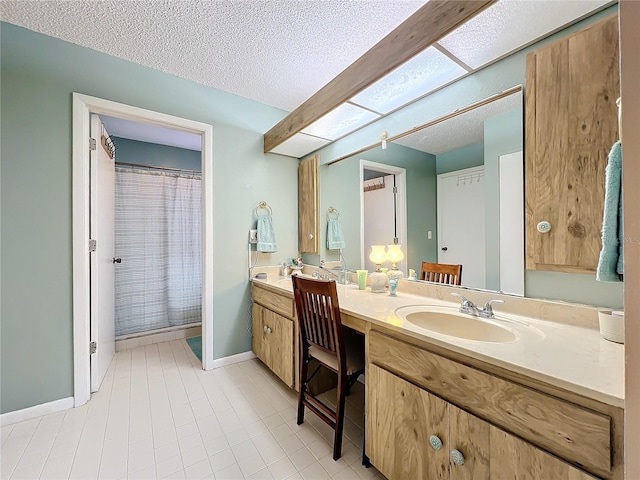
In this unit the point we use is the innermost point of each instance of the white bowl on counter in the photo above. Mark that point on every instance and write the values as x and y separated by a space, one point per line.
612 325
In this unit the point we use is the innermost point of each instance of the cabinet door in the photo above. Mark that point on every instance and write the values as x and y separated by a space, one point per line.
258 341
279 345
273 342
308 206
571 123
399 422
470 436
512 458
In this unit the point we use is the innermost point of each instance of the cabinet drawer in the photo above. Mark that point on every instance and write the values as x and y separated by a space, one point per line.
278 303
580 436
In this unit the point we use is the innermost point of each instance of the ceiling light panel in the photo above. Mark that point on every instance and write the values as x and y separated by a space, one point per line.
509 24
420 75
299 145
340 121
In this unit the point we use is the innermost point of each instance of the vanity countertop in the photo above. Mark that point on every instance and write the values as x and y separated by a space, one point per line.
574 358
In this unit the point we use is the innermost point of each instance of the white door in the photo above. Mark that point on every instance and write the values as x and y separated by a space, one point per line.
379 215
511 223
102 224
461 223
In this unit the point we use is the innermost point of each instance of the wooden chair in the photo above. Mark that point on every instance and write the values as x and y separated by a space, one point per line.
322 338
441 273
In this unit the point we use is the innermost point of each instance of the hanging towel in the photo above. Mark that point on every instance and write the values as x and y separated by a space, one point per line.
611 263
266 235
335 237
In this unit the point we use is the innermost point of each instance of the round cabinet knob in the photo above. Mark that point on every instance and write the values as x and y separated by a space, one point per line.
269 330
444 249
435 442
544 227
311 236
457 457
116 260
265 329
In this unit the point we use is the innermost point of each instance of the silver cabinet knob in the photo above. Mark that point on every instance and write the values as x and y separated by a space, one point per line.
544 226
435 442
265 329
457 457
311 236
269 330
116 260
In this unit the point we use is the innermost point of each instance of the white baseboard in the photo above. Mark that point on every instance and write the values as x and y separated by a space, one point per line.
230 360
36 411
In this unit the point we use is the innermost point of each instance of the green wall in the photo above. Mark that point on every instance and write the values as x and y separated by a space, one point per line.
468 156
38 76
144 153
339 186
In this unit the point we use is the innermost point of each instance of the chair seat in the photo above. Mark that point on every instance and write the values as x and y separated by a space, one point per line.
354 351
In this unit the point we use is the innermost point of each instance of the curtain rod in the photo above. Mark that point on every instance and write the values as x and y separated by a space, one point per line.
157 167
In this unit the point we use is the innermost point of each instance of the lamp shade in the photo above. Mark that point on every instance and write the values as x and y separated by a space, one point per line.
394 253
378 255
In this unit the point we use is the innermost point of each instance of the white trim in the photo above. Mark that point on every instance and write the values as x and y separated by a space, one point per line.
83 105
401 183
36 411
230 360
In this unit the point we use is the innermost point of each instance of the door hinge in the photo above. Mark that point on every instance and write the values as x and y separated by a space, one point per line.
92 245
93 347
395 189
92 144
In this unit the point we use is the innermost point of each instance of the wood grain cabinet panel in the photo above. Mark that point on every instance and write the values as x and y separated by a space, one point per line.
571 124
273 342
308 205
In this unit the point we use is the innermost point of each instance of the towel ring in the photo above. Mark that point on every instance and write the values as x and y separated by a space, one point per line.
262 206
331 210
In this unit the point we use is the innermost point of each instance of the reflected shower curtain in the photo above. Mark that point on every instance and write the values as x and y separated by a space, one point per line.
158 236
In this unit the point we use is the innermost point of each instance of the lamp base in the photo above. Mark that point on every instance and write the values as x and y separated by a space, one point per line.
378 282
396 274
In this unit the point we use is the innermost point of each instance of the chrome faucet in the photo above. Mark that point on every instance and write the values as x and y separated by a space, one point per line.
470 308
467 306
342 277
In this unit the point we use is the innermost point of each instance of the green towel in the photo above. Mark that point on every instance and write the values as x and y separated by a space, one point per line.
611 262
266 234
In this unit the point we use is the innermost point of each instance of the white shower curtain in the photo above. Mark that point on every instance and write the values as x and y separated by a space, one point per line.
158 237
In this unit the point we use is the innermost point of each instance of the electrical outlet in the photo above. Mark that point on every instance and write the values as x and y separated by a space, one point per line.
253 236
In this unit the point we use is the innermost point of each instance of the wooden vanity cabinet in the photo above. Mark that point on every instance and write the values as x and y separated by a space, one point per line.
503 430
308 205
412 433
570 126
274 333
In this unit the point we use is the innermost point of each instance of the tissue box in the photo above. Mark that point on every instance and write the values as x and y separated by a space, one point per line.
612 325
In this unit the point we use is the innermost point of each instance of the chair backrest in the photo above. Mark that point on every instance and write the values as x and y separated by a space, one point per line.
441 273
318 312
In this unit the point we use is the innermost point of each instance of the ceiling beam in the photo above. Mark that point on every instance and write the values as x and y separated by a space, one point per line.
427 25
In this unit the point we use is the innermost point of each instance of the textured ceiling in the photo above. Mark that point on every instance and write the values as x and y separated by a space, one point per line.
461 130
277 52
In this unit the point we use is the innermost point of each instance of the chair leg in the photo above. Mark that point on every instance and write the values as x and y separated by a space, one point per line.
304 367
337 439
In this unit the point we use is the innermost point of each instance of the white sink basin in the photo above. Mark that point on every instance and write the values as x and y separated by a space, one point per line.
449 321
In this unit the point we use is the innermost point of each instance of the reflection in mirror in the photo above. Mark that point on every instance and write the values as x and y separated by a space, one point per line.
435 191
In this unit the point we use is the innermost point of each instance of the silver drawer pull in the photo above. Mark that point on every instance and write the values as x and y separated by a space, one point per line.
435 442
457 457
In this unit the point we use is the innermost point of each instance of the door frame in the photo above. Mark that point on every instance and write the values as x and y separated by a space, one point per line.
83 106
401 183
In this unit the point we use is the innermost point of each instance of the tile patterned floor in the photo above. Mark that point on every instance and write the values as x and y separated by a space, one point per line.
159 415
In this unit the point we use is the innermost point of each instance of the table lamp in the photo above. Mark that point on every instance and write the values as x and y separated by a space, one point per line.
378 279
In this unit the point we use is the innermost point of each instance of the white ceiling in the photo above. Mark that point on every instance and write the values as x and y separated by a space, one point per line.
280 52
277 52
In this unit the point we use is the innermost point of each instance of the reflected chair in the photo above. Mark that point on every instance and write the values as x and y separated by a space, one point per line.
441 273
322 338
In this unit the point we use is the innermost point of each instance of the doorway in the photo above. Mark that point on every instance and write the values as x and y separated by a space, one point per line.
83 107
388 204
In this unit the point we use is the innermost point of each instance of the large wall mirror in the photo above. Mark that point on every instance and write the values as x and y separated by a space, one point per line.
462 176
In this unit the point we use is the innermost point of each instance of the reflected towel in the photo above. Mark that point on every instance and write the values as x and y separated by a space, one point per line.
611 263
266 235
335 237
